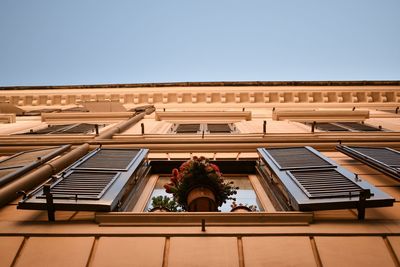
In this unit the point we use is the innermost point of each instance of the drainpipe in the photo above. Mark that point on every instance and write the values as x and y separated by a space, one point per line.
122 126
26 182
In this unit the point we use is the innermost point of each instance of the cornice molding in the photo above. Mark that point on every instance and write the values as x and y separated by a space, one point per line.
203 116
320 115
88 117
220 83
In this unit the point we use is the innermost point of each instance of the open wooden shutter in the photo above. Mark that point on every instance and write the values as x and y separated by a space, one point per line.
188 128
383 159
219 128
19 164
313 182
81 128
356 126
99 181
51 129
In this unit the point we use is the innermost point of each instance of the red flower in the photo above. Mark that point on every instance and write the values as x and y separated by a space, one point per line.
215 167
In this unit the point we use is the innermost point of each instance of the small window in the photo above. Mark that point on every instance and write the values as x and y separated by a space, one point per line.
206 128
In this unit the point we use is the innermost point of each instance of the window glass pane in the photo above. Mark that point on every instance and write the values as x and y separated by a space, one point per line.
245 195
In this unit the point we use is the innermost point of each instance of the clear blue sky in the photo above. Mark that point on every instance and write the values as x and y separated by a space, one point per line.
94 42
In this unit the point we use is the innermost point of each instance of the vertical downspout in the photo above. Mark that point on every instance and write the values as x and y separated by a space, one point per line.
122 126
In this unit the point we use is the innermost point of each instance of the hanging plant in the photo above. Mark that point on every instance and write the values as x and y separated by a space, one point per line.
202 177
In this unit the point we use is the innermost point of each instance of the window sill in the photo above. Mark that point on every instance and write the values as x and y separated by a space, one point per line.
211 218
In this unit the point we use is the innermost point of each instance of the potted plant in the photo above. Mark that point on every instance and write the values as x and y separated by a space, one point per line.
242 207
163 204
198 185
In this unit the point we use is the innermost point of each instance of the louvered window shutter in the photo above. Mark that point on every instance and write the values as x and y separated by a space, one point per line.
188 128
356 126
383 159
50 130
19 164
99 181
81 128
314 182
219 128
330 127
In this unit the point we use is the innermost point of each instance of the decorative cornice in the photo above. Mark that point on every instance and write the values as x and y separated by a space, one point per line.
265 94
203 84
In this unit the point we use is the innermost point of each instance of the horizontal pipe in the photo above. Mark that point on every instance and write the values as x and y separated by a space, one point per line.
9 191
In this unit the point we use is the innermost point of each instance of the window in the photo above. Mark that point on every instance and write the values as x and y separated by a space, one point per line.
343 127
245 195
206 128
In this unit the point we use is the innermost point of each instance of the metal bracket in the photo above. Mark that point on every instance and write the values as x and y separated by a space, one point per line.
49 202
364 195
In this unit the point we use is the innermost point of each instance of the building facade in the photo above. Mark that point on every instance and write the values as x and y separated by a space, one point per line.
319 161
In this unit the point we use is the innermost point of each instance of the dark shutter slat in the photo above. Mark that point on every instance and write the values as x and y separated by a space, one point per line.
383 159
330 127
359 127
383 155
81 128
188 128
219 128
297 157
112 159
70 186
330 183
50 129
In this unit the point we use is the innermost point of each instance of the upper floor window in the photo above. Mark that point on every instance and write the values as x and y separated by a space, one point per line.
207 128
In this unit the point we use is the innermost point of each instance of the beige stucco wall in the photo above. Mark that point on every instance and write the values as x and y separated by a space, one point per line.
333 238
